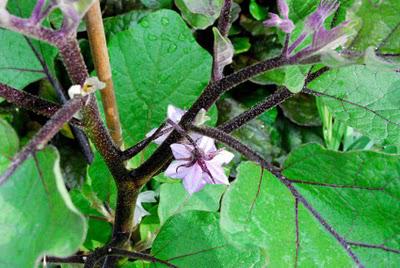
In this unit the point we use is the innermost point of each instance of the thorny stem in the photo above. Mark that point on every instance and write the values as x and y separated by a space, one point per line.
32 103
90 260
285 49
78 134
127 190
45 134
101 253
225 17
94 126
98 47
271 101
223 28
138 147
253 156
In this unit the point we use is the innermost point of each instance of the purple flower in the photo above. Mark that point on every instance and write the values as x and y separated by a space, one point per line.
330 39
175 115
325 9
284 23
323 39
199 166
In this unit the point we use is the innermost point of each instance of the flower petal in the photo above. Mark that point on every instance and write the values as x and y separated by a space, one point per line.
140 212
75 90
218 174
176 170
206 144
324 10
174 113
222 157
181 151
193 181
146 197
273 20
283 8
286 26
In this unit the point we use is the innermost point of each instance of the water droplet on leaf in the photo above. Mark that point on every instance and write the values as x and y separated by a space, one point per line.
172 48
181 37
164 21
144 23
152 37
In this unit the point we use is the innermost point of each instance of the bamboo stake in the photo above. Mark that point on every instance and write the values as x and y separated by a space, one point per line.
101 60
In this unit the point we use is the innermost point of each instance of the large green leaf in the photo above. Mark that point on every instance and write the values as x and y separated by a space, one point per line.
174 199
18 64
37 216
364 99
116 24
194 239
357 193
268 220
379 22
155 64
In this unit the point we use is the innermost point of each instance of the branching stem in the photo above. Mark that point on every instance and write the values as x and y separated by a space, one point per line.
32 103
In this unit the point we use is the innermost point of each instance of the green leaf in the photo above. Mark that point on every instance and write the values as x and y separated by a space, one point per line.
367 100
295 77
194 239
18 64
379 21
37 216
174 199
301 109
156 64
9 144
357 193
99 231
114 25
101 181
241 44
200 13
268 220
257 11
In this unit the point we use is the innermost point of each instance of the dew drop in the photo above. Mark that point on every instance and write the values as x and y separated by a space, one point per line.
164 21
152 37
144 23
172 48
181 37
164 37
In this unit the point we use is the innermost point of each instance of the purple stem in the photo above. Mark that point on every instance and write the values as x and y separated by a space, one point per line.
296 43
37 12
